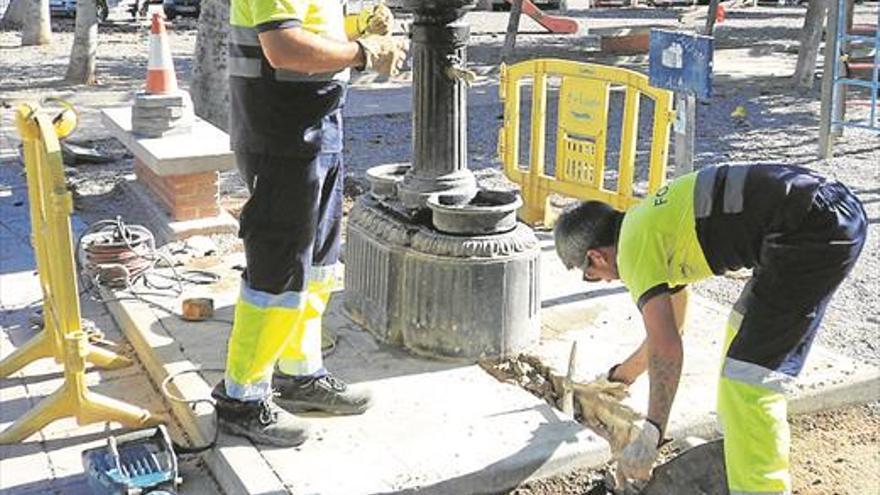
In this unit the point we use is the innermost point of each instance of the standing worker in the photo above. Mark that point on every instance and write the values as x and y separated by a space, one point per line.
800 232
288 68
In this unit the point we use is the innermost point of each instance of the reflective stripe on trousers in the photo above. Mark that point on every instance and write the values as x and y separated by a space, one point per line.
753 413
262 327
302 354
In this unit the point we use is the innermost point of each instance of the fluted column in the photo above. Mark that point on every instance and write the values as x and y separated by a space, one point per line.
439 46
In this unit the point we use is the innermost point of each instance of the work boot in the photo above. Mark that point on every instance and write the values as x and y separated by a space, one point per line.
319 393
261 421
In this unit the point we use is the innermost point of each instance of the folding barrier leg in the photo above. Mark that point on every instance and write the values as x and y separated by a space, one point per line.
73 399
105 359
40 347
36 348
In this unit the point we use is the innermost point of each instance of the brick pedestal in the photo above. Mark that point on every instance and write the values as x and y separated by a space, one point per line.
178 179
182 196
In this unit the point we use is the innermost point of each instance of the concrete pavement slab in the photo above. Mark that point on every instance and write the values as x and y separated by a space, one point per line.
22 465
436 426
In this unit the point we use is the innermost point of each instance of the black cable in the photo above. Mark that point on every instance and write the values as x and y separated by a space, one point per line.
120 231
185 449
140 243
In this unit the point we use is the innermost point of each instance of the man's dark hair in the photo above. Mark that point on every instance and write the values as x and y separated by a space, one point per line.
585 226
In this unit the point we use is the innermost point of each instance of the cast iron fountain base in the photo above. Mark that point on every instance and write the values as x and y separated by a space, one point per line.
459 296
431 263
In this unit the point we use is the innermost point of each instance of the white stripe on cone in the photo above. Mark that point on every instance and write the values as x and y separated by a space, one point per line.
160 53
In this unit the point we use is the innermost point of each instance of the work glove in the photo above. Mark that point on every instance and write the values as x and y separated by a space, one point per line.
463 74
602 410
371 20
610 373
637 459
382 54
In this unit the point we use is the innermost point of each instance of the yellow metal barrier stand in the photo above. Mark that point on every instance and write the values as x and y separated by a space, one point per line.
581 134
61 338
48 342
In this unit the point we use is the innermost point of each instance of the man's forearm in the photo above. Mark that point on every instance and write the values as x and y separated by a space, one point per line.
303 51
664 369
636 364
664 356
632 367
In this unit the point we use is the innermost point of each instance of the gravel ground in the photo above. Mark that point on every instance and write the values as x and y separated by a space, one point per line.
780 126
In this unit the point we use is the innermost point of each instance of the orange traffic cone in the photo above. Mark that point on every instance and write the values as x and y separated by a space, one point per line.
161 78
720 14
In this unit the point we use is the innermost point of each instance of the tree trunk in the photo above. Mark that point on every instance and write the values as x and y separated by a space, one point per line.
811 36
512 30
210 84
36 28
81 68
711 16
13 18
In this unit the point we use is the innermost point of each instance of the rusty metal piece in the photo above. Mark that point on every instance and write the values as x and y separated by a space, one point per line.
197 308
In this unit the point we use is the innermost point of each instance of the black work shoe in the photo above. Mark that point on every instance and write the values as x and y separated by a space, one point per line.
260 421
324 393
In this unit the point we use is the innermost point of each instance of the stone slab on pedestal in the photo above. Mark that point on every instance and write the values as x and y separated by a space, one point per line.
179 173
160 115
205 149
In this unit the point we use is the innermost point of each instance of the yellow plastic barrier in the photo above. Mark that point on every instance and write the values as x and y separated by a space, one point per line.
62 337
583 108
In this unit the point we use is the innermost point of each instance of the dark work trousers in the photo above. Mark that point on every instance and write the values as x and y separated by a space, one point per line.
798 272
771 329
292 221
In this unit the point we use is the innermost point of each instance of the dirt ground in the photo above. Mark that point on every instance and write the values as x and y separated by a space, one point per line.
833 453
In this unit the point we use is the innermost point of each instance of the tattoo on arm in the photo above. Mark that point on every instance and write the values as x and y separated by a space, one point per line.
665 372
665 355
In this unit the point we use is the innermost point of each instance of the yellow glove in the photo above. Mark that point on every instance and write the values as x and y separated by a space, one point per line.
602 410
372 20
383 54
460 73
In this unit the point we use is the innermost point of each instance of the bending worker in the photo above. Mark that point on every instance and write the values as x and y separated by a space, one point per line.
800 232
288 68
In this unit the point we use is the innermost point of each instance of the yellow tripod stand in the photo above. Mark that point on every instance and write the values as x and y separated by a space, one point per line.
62 337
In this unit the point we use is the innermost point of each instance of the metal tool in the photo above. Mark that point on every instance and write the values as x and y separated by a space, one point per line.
142 462
567 401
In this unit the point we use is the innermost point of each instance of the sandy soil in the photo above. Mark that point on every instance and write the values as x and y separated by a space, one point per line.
833 453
